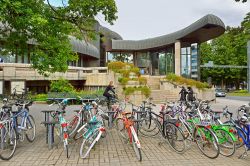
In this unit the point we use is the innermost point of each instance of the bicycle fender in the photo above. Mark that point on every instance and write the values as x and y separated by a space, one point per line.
135 137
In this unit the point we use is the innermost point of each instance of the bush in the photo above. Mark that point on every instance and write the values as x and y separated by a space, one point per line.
241 91
123 80
142 80
144 90
116 66
190 82
61 85
40 97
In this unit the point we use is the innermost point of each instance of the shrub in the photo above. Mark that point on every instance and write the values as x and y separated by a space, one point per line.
123 80
61 85
190 82
142 80
241 91
144 90
116 66
40 97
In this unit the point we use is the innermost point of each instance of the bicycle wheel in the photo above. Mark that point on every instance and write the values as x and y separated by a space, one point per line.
120 126
149 128
30 132
57 138
226 142
7 143
87 144
175 137
73 125
136 149
207 142
238 133
80 132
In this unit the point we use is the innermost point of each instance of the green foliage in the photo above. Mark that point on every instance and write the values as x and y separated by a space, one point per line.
123 80
144 90
228 49
73 94
40 97
142 80
243 1
241 91
116 66
125 70
61 85
48 29
181 81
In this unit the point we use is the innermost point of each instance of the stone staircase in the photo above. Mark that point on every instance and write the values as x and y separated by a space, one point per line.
160 96
154 82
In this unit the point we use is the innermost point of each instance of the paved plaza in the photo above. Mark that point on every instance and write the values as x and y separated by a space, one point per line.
112 150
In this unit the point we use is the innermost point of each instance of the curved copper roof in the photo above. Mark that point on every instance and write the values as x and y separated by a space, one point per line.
83 47
206 28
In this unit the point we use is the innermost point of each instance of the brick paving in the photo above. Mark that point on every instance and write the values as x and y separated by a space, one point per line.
111 150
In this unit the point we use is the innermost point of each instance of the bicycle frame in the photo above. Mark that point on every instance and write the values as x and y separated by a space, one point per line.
24 114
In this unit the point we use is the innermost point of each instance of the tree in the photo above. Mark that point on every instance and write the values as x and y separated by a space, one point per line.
48 28
228 49
243 1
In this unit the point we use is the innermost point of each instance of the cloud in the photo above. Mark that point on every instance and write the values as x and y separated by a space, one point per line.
140 19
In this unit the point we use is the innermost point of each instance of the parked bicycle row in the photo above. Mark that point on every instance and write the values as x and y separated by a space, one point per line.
179 123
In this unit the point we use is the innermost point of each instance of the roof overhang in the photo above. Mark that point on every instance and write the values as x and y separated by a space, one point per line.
206 28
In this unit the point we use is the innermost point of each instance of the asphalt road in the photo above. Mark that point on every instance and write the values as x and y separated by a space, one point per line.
241 98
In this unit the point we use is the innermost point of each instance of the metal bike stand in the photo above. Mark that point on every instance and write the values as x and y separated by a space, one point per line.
110 122
46 122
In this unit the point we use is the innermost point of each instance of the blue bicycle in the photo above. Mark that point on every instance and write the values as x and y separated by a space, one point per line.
15 126
241 127
27 126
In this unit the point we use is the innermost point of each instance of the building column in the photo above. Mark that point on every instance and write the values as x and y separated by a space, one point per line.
177 58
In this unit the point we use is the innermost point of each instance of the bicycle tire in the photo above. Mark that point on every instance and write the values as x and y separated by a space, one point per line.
87 143
136 149
57 138
120 126
226 142
175 136
2 142
73 125
79 133
237 134
31 120
206 133
146 130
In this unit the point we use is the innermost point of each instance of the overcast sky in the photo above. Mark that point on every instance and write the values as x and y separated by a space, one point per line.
140 19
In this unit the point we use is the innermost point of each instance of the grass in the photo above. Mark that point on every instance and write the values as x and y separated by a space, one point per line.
238 94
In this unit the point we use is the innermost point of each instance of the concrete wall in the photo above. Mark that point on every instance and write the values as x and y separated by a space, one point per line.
203 94
17 71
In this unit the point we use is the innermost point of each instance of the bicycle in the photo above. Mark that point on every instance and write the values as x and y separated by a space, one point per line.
92 132
60 128
194 130
226 138
8 139
125 126
98 112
